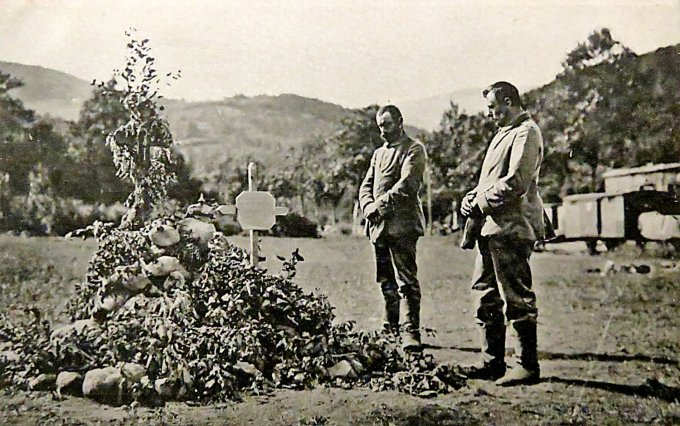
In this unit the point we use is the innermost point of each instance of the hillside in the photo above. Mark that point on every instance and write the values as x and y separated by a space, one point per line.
207 132
652 74
47 91
261 126
610 115
427 112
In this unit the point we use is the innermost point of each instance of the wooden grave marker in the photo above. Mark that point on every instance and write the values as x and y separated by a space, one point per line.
255 211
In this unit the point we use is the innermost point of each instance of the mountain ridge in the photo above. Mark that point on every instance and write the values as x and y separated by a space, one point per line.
207 132
48 91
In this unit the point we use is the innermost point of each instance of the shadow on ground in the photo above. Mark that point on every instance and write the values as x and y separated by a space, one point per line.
652 388
584 356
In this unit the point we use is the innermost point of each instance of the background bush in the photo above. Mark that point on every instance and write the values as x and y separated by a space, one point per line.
295 226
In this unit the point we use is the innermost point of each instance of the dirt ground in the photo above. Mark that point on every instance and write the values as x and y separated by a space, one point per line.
608 345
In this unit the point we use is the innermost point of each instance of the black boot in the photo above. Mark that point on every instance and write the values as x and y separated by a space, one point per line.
410 338
492 363
391 313
527 371
484 371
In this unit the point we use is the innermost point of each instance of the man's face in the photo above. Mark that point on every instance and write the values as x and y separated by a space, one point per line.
498 110
390 129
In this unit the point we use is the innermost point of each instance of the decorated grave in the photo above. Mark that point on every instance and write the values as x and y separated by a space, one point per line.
170 310
174 311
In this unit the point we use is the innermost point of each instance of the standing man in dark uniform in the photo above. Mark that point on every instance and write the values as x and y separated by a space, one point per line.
505 212
389 200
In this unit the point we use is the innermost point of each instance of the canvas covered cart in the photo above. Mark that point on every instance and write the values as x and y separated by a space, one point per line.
639 204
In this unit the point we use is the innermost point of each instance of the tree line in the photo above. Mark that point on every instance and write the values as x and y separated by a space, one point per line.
607 108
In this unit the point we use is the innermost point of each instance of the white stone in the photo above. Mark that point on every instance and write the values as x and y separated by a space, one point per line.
164 236
43 382
247 368
356 366
112 302
200 231
342 369
69 383
132 372
164 266
103 384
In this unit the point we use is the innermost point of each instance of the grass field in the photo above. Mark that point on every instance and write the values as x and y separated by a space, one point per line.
600 339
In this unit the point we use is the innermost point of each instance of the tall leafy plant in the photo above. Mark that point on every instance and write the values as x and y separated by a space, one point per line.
142 147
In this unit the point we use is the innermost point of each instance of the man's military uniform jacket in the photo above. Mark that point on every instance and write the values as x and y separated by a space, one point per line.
507 193
392 182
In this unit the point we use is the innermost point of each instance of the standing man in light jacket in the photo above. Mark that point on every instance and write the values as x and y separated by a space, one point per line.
506 213
389 200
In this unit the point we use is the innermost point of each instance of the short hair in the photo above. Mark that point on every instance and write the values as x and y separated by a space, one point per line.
393 110
502 90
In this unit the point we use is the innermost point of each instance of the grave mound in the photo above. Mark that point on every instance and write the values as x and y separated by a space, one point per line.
173 311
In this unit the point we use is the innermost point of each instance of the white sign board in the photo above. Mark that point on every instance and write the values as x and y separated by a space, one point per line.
257 211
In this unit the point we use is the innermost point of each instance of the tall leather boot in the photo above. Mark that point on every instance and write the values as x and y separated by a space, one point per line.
492 362
527 343
527 371
492 343
391 312
410 306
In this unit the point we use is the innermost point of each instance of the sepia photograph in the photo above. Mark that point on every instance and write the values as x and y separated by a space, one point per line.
339 212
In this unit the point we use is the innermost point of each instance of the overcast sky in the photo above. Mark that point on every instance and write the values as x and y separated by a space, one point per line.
351 52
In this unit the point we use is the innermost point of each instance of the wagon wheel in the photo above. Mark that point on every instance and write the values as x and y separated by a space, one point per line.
613 243
640 243
675 242
591 243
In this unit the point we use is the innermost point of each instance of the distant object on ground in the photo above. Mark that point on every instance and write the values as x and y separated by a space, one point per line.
639 204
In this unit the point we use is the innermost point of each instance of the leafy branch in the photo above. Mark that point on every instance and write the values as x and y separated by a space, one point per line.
142 147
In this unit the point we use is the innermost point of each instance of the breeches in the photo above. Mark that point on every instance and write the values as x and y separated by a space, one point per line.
501 283
396 268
